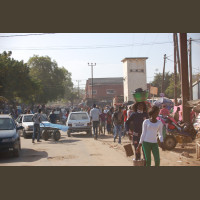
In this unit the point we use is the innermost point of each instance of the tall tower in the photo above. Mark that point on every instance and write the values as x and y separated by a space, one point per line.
134 76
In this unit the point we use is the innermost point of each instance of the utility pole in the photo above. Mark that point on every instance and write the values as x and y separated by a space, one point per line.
190 67
178 58
92 77
162 89
175 72
78 89
184 77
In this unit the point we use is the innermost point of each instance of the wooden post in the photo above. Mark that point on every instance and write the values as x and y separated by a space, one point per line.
184 75
175 72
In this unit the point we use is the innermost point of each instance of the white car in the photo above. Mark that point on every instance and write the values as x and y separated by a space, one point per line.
25 120
79 122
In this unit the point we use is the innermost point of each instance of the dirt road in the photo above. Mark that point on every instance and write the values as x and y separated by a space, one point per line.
81 150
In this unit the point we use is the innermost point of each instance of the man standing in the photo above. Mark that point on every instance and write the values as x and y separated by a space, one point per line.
118 120
36 127
52 117
94 114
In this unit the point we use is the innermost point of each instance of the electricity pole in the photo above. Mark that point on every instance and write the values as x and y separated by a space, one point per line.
178 58
175 72
92 77
162 89
78 89
190 67
184 76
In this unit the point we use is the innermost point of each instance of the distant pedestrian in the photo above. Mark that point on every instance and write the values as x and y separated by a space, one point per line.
125 118
118 121
28 111
164 111
52 117
176 114
109 120
151 127
129 111
36 127
94 114
102 126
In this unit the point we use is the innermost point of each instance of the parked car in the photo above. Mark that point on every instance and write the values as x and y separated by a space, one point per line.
25 120
79 122
9 135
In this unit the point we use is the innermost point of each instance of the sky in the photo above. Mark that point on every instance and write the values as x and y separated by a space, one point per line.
75 50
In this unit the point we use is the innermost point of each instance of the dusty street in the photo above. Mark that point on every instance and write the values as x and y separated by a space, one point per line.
81 150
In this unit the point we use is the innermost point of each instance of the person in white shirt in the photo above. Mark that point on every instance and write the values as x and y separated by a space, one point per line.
148 140
94 114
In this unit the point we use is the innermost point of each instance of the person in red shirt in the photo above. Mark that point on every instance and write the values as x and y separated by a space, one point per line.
164 111
125 119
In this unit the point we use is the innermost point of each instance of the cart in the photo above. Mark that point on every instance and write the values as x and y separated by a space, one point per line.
52 130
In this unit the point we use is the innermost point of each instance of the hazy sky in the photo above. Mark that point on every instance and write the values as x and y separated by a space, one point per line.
75 50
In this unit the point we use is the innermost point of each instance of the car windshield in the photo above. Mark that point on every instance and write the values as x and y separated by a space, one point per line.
78 116
28 118
6 124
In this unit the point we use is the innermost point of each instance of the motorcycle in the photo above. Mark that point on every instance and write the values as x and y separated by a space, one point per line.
174 132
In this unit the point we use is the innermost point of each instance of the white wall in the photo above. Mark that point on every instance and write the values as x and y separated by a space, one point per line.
134 79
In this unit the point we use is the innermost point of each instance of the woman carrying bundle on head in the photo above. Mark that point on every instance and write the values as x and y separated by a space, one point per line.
151 127
134 124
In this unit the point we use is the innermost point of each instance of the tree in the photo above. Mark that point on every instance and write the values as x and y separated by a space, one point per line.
170 90
157 82
15 82
55 81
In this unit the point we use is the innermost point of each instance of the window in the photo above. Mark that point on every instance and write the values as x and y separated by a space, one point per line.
136 70
28 118
94 92
6 124
110 91
78 116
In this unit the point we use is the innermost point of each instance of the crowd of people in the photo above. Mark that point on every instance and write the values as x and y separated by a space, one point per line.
137 121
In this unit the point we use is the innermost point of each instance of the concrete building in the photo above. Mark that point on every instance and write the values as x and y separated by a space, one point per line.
134 76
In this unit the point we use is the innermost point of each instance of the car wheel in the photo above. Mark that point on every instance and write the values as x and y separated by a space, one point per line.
69 133
24 134
56 135
45 135
170 142
16 151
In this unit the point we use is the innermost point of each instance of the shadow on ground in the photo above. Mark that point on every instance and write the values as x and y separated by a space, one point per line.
181 150
26 155
52 141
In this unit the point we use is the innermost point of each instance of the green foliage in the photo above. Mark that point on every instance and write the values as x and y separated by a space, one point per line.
15 81
55 82
157 82
170 90
168 84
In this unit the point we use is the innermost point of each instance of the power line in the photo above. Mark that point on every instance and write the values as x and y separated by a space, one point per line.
31 34
94 47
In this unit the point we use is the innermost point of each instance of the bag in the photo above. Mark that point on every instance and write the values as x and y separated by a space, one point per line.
129 150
